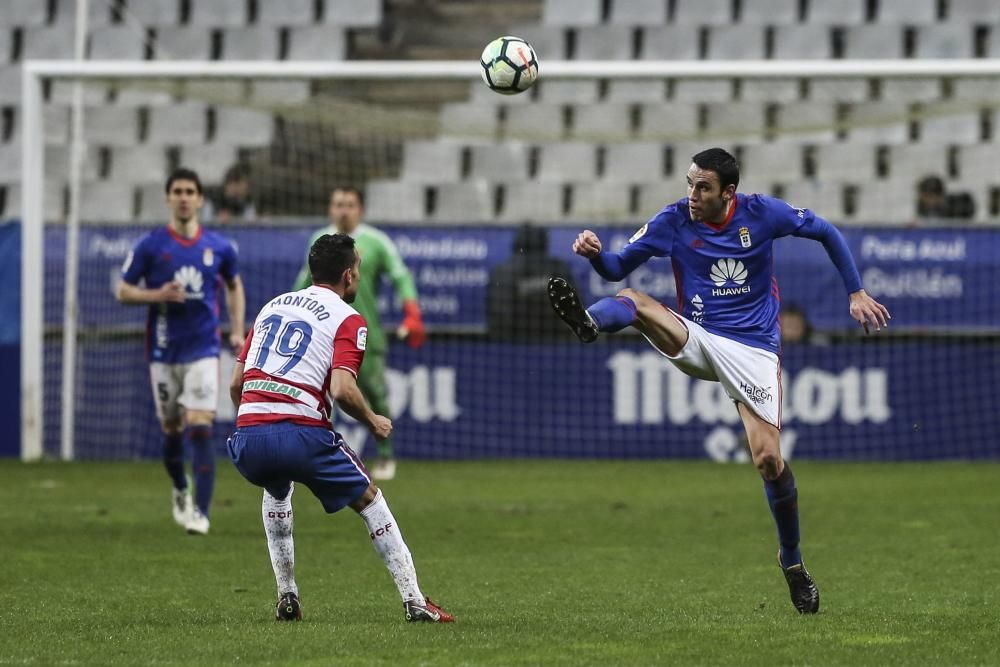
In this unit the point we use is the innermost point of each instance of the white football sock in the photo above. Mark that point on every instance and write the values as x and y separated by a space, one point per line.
388 542
278 528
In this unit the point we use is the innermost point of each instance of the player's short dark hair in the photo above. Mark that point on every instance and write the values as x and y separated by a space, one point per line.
330 256
183 174
353 190
722 163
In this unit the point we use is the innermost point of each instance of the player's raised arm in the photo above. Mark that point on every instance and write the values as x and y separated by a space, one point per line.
652 240
865 310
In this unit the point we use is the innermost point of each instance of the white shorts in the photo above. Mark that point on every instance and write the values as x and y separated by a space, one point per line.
192 386
750 375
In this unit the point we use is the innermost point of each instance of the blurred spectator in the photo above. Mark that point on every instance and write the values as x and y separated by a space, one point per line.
234 201
517 301
935 206
796 329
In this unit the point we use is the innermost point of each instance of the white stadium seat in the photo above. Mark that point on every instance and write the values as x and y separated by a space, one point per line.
353 13
463 202
393 201
826 199
118 43
154 12
908 12
244 127
250 43
770 12
670 42
636 90
915 89
182 124
219 13
571 12
599 202
879 123
948 123
945 41
772 162
559 91
736 42
638 12
634 162
210 160
507 161
845 162
183 43
841 12
913 161
114 126
464 120
604 42
107 201
286 12
698 12
317 42
802 42
602 122
873 41
431 161
576 161
536 122
532 202
677 120
138 164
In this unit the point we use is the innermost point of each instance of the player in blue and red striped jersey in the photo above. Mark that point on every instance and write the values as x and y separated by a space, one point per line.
183 268
725 328
306 347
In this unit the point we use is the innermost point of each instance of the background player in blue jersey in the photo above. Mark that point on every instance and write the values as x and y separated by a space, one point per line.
725 328
182 268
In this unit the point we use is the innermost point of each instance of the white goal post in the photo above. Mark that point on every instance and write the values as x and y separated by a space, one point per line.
36 72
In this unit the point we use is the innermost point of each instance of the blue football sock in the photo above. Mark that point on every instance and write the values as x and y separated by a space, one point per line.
203 463
783 498
613 313
173 459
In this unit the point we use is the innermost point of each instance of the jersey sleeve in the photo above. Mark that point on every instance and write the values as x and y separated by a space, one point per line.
784 218
654 239
400 276
229 268
242 357
137 263
349 344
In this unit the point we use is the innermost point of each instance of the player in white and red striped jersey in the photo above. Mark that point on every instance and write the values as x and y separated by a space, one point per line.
305 349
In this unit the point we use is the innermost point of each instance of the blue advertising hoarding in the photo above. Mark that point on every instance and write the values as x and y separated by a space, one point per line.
934 279
469 398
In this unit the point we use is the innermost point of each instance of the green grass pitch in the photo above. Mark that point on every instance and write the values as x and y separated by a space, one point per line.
542 563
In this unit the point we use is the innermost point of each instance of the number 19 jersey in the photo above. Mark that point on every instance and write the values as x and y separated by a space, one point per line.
296 342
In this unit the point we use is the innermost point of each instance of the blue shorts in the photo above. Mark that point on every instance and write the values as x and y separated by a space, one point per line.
275 455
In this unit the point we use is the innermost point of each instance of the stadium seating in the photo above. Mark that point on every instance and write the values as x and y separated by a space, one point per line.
617 134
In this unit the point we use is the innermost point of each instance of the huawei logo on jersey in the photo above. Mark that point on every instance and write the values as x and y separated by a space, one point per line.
191 280
729 270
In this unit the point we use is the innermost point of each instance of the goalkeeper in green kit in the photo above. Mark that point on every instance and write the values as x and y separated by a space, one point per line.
378 257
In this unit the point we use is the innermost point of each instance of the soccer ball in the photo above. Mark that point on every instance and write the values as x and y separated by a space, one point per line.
509 65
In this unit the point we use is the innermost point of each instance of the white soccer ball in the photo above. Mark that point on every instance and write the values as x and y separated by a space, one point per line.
509 65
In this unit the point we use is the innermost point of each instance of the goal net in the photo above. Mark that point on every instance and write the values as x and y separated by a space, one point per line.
482 195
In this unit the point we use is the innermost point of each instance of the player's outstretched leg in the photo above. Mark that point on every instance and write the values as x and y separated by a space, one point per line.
277 515
389 544
566 303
